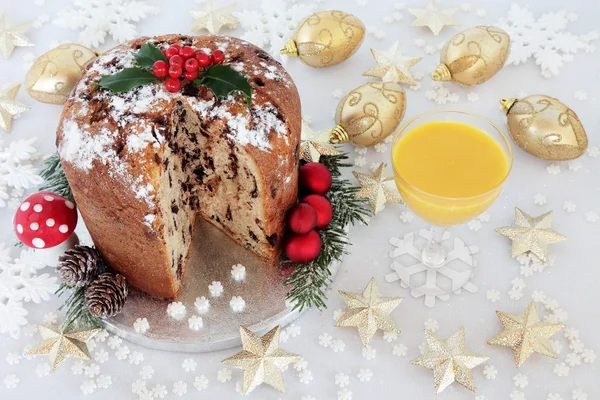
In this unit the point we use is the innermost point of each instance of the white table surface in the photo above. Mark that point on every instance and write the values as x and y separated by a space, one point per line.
573 279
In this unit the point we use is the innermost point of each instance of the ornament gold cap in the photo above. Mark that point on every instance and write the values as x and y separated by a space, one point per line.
441 73
507 104
339 135
290 49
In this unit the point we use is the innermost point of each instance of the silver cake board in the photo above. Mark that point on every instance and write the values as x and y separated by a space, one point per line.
211 257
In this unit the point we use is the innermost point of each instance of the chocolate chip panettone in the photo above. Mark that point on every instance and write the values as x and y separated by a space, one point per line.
143 164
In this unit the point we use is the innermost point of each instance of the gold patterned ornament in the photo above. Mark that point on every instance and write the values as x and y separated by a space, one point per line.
326 38
526 334
531 234
369 113
12 36
545 127
54 73
473 56
450 360
213 19
261 359
368 311
9 106
393 66
313 144
378 188
433 17
60 345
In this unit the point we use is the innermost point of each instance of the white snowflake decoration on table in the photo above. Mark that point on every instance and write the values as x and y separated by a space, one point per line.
272 26
432 283
97 18
17 170
400 350
544 39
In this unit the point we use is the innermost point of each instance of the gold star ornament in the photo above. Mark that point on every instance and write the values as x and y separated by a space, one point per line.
526 334
60 345
261 359
450 360
378 188
531 234
214 18
9 107
369 311
392 66
433 17
12 36
313 144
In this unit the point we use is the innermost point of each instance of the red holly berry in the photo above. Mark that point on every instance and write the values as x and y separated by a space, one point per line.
190 75
217 57
203 59
173 50
176 60
160 69
164 51
191 64
175 71
187 52
173 84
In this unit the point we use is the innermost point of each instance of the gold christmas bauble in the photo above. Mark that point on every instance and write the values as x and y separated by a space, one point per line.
54 73
545 127
326 38
473 56
369 113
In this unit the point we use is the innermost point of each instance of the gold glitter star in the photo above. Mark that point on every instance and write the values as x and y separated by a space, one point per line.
450 360
526 334
531 234
213 19
313 144
12 35
392 66
433 17
369 311
261 359
9 107
377 188
59 345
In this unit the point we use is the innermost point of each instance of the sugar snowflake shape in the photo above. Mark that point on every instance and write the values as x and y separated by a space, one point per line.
201 382
11 381
305 376
490 372
238 272
20 282
325 340
104 381
202 304
364 375
195 323
176 310
237 304
141 325
189 365
521 381
180 388
17 170
97 18
342 379
369 352
400 350
215 289
224 375
561 369
272 26
338 346
544 39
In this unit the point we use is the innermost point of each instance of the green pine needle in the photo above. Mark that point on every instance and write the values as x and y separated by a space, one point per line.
55 180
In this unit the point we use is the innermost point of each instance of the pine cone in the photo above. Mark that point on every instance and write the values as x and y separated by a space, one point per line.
105 297
79 266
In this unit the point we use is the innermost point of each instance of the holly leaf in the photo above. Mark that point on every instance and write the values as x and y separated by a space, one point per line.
148 55
126 80
222 80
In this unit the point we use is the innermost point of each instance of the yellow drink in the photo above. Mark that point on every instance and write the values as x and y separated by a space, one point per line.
448 172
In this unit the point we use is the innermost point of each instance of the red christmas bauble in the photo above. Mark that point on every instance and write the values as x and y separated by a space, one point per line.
314 177
302 218
303 248
323 208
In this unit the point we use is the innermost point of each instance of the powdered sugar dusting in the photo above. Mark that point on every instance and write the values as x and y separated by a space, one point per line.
80 148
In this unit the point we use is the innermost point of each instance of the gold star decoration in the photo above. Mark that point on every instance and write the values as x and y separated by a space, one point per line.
392 66
531 234
526 334
261 359
59 345
313 144
12 35
9 107
369 311
213 19
433 17
378 188
450 360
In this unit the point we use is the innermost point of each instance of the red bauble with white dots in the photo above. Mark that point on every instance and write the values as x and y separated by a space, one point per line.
314 177
323 208
302 218
303 248
45 220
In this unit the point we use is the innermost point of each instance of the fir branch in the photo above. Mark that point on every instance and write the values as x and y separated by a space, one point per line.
310 282
55 180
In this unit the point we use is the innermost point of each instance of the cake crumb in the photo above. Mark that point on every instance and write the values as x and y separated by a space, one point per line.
237 304
202 304
215 288
141 325
238 272
176 310
195 323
